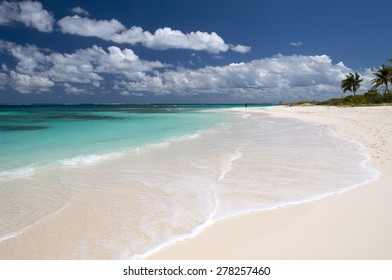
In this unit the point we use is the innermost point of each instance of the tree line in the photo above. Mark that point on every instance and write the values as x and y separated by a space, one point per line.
382 81
352 82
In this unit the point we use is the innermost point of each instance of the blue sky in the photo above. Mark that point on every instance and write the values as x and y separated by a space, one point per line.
145 51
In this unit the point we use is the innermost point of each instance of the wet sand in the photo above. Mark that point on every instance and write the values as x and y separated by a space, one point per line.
356 224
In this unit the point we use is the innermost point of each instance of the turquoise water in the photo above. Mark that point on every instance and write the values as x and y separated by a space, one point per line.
122 181
37 136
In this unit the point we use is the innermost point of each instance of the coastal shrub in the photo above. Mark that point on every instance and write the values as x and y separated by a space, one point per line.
354 100
333 102
305 102
373 96
350 100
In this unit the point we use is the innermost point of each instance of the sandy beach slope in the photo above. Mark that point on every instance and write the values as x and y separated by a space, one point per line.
354 225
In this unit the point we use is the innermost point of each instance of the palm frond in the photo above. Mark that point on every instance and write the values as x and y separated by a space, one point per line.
351 83
383 76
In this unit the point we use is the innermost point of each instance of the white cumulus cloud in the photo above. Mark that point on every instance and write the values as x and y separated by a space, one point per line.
241 49
80 11
162 39
30 13
103 29
296 44
166 38
27 84
69 89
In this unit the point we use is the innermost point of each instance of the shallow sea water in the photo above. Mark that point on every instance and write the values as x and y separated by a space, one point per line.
128 202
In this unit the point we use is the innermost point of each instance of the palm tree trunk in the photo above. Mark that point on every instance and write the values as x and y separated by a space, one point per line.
386 87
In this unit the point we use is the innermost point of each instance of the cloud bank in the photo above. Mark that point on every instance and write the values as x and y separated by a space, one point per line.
37 70
122 72
287 78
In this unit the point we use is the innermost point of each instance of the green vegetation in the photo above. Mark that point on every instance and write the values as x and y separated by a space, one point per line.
352 82
383 77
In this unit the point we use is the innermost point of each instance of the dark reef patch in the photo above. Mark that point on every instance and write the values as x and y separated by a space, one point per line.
22 127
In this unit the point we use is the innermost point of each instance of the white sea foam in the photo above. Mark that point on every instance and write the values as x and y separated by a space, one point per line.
89 159
196 230
185 137
18 172
9 236
167 142
193 136
228 164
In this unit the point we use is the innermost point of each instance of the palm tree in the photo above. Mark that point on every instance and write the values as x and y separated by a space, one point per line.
383 77
351 83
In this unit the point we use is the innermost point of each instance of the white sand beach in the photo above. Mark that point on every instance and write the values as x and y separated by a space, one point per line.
356 224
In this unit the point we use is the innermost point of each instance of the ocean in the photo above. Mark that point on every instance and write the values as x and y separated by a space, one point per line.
122 181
